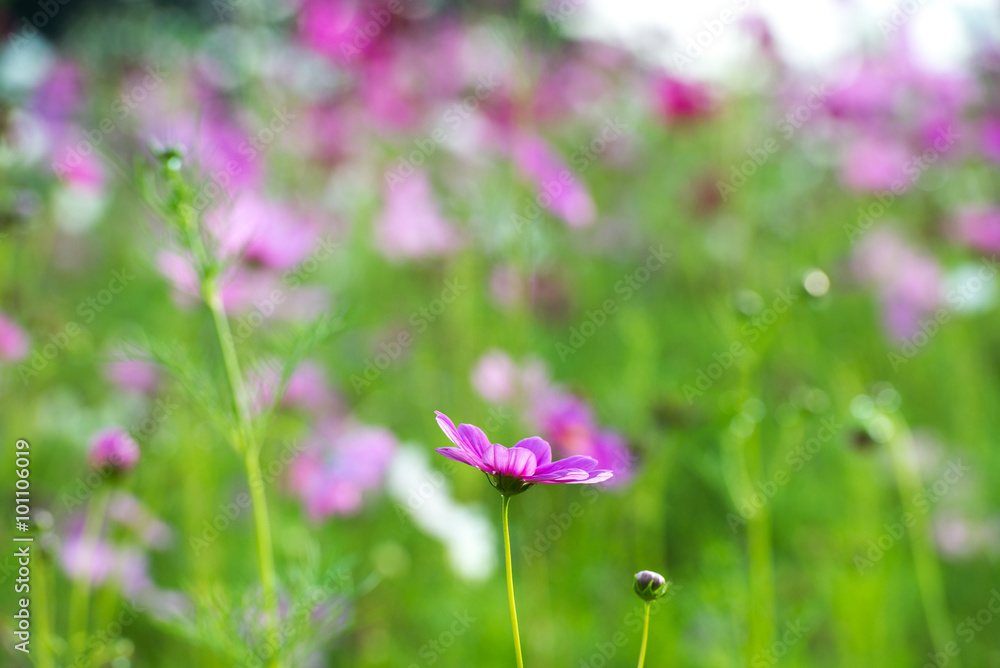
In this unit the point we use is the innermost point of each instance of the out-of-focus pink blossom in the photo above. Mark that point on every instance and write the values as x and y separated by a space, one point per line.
872 164
262 231
115 449
60 95
989 137
679 100
979 227
410 225
495 376
558 189
307 388
340 463
13 340
133 375
909 283
334 28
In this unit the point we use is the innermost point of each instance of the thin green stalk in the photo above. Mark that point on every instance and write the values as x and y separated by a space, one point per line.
645 635
79 601
245 442
41 611
925 563
510 584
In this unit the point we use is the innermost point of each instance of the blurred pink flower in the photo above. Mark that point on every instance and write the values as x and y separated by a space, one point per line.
558 189
262 231
410 225
909 283
495 376
989 137
13 340
679 100
873 163
133 375
60 95
979 227
338 465
307 388
113 448
335 28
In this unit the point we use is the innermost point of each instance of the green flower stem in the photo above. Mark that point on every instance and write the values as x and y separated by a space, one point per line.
645 635
925 562
510 583
40 603
79 601
245 443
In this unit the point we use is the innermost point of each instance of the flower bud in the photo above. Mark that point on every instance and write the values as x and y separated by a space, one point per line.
650 586
115 449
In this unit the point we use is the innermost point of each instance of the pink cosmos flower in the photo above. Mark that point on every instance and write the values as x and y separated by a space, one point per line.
114 448
513 470
979 227
559 189
875 163
340 464
411 226
679 100
909 283
133 375
13 340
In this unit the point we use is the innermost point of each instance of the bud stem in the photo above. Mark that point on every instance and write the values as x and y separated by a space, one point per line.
510 584
645 634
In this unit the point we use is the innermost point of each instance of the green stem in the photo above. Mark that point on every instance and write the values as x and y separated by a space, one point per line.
79 602
645 635
245 442
510 584
41 611
925 563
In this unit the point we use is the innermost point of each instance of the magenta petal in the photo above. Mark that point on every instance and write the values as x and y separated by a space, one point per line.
495 459
460 455
448 427
581 462
539 447
521 462
568 475
473 439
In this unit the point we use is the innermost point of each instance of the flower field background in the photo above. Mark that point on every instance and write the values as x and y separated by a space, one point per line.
249 247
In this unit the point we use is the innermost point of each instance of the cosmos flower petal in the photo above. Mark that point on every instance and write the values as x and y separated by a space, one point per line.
461 455
495 458
581 462
473 439
448 427
521 463
540 447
